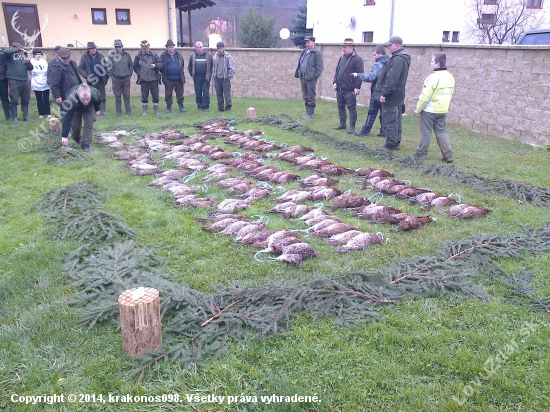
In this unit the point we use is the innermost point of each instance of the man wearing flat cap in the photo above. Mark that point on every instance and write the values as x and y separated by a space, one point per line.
93 68
173 75
120 69
147 66
17 72
310 68
390 92
346 86
223 70
63 75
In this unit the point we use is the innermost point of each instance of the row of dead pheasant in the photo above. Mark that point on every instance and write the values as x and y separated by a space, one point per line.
178 148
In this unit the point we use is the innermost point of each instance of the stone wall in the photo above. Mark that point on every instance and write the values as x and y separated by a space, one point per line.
501 90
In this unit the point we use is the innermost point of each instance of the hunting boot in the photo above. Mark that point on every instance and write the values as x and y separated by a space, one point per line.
352 121
182 108
7 112
144 105
309 112
343 115
168 108
25 110
156 108
14 114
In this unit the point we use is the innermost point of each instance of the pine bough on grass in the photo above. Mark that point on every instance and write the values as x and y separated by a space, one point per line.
201 324
68 201
522 192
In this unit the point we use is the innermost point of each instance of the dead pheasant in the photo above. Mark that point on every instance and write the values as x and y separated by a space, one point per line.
317 180
360 241
414 222
343 238
441 201
324 192
221 224
248 229
220 216
334 229
425 198
374 212
466 211
349 201
232 205
314 213
334 170
194 201
410 192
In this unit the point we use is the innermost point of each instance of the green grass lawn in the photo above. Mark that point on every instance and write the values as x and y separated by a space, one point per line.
430 354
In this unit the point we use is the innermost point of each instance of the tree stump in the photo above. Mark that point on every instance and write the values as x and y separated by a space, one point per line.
55 126
140 324
251 112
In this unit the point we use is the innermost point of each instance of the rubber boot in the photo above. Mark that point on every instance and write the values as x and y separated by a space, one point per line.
182 108
144 109
352 121
25 111
168 108
14 114
7 112
156 108
309 112
343 115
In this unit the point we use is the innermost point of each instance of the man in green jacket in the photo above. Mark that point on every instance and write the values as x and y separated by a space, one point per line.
93 68
120 70
81 105
390 92
17 73
310 68
433 105
147 66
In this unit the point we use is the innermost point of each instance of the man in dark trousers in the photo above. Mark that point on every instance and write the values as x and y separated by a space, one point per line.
346 86
380 57
390 92
63 75
80 110
223 70
120 70
4 96
17 73
310 68
92 67
173 75
147 66
200 69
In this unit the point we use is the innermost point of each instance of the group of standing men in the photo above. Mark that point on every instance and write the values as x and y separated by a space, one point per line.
88 101
388 78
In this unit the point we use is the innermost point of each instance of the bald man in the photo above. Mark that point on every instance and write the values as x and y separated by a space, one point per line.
81 105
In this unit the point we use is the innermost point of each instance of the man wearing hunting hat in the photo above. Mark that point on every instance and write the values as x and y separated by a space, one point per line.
147 66
346 86
390 92
310 68
173 76
120 70
92 67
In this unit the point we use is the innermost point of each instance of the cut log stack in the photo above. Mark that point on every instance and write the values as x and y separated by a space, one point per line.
140 323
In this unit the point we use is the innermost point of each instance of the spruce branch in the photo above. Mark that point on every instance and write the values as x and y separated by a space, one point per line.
523 192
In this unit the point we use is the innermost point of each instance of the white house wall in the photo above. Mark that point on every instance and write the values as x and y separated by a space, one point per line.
416 21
